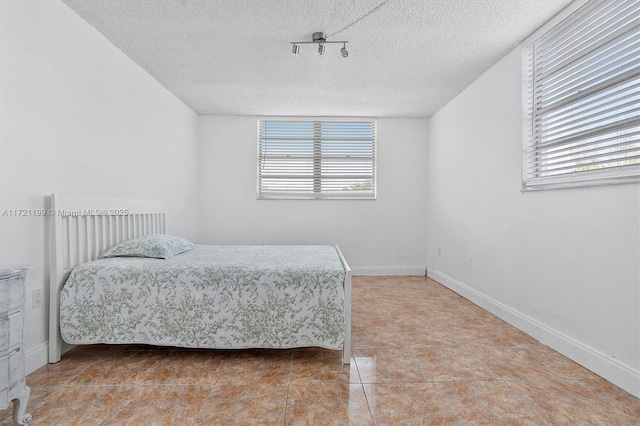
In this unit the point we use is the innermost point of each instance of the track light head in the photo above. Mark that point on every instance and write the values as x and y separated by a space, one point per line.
344 52
320 49
296 49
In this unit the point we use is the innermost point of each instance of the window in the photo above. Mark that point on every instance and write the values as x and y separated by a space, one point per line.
582 98
316 159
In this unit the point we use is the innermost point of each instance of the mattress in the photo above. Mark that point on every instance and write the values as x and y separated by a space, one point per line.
225 297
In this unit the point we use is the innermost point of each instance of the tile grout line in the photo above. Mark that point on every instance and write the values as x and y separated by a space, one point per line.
366 398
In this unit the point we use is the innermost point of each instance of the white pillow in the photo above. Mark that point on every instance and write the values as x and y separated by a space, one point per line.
159 246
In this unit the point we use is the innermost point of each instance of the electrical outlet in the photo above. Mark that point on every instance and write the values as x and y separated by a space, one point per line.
36 298
468 260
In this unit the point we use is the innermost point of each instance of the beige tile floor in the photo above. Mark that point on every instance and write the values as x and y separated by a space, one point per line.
421 355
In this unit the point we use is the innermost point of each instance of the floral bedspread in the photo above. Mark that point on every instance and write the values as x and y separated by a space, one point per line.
226 297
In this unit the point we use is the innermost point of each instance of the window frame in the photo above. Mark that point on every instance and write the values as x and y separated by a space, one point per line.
317 167
537 164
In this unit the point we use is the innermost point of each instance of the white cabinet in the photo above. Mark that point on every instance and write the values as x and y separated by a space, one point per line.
12 303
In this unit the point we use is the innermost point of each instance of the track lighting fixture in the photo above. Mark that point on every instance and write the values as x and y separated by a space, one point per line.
321 40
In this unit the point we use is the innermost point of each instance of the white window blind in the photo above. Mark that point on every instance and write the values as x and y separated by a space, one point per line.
582 98
316 159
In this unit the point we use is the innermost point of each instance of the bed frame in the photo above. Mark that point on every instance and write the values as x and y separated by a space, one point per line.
81 228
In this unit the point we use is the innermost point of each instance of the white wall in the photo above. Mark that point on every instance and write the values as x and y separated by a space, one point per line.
79 117
383 236
562 264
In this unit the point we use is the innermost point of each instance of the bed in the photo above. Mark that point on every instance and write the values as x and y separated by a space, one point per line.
218 297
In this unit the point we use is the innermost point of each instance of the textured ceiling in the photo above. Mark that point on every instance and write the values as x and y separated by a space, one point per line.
408 58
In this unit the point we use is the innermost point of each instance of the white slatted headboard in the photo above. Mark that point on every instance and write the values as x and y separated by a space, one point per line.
81 228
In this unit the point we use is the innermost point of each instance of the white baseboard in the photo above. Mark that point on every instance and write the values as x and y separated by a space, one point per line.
388 270
605 366
36 357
